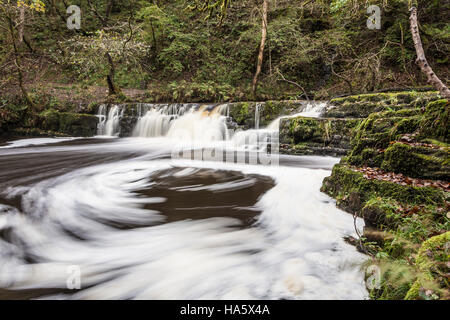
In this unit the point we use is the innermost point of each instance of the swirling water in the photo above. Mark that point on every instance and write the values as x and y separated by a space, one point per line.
140 225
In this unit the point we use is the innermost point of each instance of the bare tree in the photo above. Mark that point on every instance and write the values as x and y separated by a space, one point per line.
265 6
421 59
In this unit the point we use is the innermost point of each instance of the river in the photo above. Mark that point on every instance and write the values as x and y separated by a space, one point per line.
122 218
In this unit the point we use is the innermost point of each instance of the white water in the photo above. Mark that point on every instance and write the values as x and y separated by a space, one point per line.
312 110
297 246
196 123
258 139
35 142
109 125
257 116
203 124
153 124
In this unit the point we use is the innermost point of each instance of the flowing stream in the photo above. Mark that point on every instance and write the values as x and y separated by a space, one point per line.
131 221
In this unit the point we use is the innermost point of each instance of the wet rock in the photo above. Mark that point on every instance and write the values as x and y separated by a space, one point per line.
318 136
73 124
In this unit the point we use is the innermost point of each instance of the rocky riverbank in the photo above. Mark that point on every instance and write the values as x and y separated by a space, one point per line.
396 177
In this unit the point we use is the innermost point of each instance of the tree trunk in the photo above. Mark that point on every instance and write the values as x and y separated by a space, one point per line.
113 89
17 63
261 47
109 8
422 60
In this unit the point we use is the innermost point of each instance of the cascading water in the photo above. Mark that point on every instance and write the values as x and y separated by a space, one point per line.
191 123
109 125
153 124
311 110
102 118
200 125
257 116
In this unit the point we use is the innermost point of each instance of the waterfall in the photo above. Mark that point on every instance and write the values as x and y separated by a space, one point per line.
101 119
109 121
192 122
200 125
184 122
112 125
257 116
311 110
314 110
153 124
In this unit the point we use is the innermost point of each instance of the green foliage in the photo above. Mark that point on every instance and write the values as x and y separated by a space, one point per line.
323 46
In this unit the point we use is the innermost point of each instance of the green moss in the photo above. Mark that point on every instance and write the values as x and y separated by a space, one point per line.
362 106
413 292
345 182
49 120
417 162
428 267
380 213
333 133
74 124
434 123
243 113
400 219
240 113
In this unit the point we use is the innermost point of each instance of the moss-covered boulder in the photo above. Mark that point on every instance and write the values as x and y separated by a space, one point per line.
303 135
435 121
379 129
382 180
73 124
433 269
361 106
418 161
352 190
404 142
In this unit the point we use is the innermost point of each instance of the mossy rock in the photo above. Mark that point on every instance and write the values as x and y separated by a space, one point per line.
431 260
73 124
375 135
417 161
435 121
304 132
77 124
49 120
378 213
345 184
240 112
379 129
361 106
